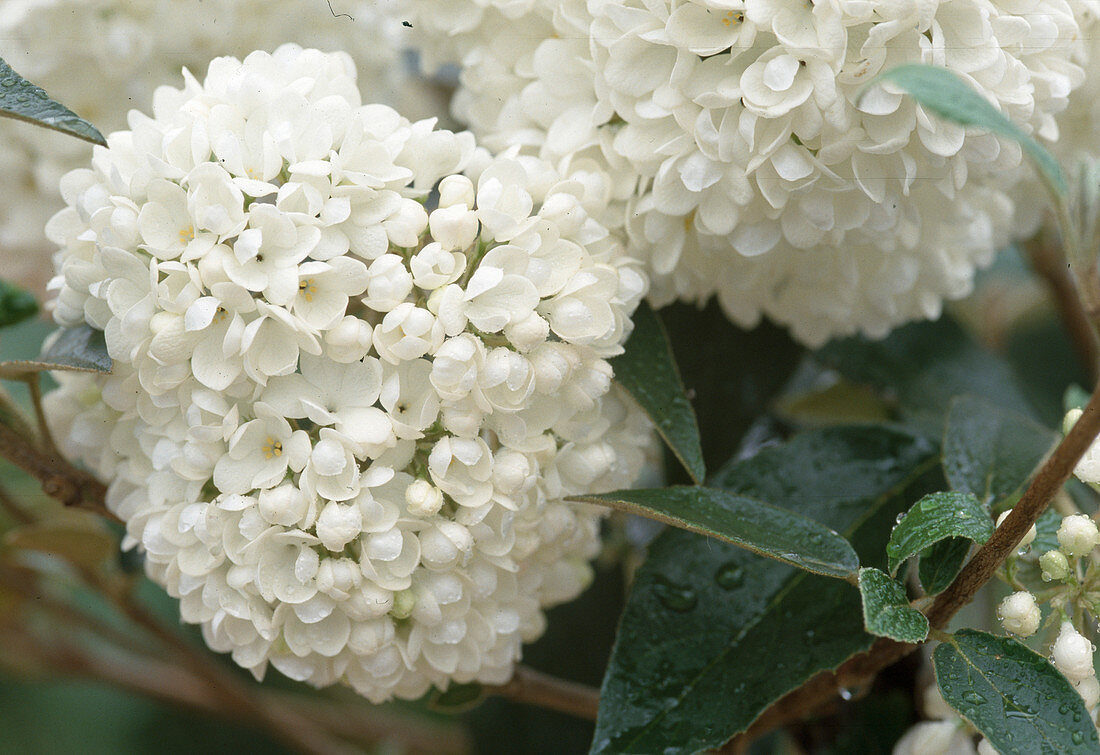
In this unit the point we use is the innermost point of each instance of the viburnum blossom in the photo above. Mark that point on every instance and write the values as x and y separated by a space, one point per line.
751 161
116 52
345 409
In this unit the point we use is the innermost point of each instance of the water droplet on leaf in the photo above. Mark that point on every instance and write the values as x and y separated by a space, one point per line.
674 597
730 576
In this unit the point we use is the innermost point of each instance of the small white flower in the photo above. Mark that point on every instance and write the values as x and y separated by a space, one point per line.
1078 535
1072 654
463 468
390 283
423 498
260 453
1019 614
407 332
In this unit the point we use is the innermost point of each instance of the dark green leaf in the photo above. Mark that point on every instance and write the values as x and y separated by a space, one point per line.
934 518
687 670
941 562
1012 695
922 367
886 610
78 349
752 524
947 95
1046 532
648 372
989 451
16 304
727 389
23 100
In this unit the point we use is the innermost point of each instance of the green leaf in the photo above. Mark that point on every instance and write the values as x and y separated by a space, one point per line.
989 451
944 93
24 101
922 367
647 370
78 349
886 610
839 403
686 673
941 562
751 524
16 305
1012 695
934 518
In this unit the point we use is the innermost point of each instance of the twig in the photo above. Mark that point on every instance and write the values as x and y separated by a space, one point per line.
289 725
860 669
60 479
536 688
34 384
1044 486
1049 262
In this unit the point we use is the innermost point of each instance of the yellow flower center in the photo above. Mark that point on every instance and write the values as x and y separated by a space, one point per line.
187 234
272 448
732 18
307 288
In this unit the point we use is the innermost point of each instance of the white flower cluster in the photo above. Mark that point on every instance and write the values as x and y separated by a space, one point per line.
345 409
103 57
1078 125
750 161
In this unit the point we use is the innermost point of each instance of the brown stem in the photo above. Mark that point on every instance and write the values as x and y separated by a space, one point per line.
60 479
1049 262
1044 486
34 384
860 669
536 688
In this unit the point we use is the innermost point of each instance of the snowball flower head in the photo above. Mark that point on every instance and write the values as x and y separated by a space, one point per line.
1077 535
1019 614
344 415
752 160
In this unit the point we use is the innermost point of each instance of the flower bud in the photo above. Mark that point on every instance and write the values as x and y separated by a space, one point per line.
285 505
389 284
1029 536
433 267
1055 566
1019 614
403 604
338 525
1089 690
423 498
528 332
456 190
454 227
1072 654
349 341
1077 535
